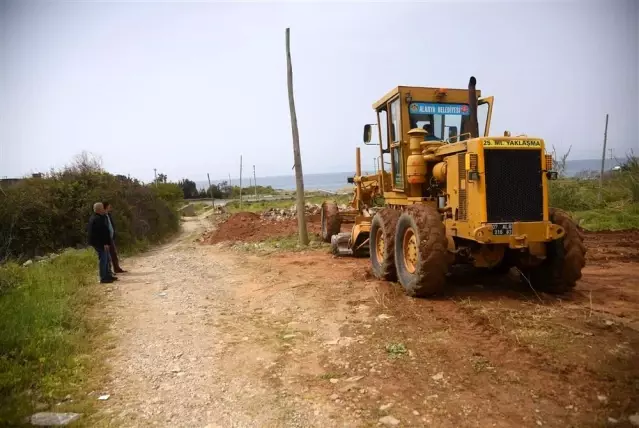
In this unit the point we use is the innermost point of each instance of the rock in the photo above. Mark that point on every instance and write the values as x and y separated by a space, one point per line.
389 421
613 421
334 397
634 419
609 323
289 336
53 419
188 210
354 378
602 398
385 407
333 380
104 397
539 423
383 317
415 412
438 376
162 294
27 263
39 258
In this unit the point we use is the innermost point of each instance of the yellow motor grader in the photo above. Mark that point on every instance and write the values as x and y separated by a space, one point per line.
453 194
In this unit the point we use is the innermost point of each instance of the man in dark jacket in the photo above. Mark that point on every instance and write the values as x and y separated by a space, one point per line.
99 239
113 252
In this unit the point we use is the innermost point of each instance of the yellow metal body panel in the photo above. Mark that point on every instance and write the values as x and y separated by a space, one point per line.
474 227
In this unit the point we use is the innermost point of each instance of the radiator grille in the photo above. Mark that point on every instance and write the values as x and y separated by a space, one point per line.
463 202
513 185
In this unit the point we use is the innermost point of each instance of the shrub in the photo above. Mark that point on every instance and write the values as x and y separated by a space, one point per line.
42 215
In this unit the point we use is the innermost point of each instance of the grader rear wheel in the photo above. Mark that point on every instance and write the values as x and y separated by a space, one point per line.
382 237
421 251
330 220
565 257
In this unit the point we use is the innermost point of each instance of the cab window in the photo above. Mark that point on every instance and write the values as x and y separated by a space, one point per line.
396 151
437 118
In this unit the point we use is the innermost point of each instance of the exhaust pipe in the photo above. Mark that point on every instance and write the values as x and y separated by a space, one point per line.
472 104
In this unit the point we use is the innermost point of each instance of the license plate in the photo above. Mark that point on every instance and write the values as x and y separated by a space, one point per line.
501 229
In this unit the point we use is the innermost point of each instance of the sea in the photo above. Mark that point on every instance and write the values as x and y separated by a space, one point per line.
331 182
336 181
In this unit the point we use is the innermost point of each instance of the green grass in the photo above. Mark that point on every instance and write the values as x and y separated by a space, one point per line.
47 335
616 209
623 217
396 350
260 206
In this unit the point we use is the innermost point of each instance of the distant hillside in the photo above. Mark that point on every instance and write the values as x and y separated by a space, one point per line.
573 167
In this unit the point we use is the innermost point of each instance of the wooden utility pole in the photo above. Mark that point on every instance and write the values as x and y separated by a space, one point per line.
254 181
603 158
299 177
240 181
155 172
210 189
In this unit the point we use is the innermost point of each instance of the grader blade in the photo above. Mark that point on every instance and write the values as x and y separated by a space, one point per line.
340 244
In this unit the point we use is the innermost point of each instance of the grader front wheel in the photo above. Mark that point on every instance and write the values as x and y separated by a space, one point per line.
330 220
565 257
421 254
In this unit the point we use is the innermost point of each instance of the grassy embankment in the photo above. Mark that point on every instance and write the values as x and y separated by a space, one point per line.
618 207
51 345
48 336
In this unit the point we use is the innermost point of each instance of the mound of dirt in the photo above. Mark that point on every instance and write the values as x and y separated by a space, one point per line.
250 227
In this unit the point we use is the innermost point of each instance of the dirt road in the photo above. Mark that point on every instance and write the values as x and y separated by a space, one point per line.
211 337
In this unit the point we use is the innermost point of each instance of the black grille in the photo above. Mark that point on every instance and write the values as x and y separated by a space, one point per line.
513 185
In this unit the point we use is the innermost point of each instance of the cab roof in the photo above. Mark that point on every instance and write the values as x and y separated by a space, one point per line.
423 93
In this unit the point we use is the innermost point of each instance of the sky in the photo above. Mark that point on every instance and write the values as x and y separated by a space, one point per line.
187 88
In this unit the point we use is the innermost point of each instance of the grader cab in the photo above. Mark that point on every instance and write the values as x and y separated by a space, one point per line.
453 194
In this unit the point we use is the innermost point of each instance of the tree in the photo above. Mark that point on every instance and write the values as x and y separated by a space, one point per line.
162 178
189 188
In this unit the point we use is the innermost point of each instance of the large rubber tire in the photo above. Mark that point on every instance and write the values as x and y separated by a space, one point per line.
330 220
565 258
421 251
381 244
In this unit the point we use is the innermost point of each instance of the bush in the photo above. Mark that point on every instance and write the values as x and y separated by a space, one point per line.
42 215
616 209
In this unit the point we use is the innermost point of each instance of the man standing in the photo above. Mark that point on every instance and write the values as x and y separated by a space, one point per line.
112 249
99 239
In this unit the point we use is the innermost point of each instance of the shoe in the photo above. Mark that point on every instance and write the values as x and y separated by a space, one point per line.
114 278
120 271
106 281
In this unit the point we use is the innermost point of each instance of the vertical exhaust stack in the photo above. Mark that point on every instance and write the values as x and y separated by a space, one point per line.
472 103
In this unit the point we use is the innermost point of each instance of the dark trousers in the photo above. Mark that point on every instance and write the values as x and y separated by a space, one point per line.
103 260
115 261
